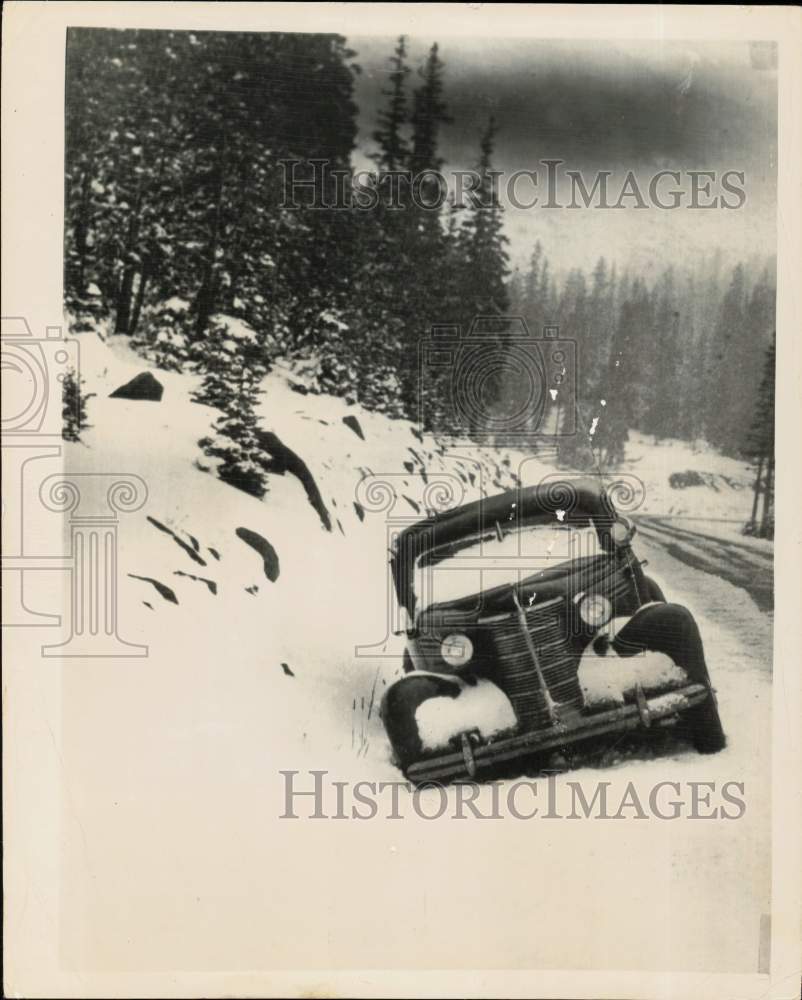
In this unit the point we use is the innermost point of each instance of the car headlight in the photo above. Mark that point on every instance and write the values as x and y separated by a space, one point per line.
595 610
456 650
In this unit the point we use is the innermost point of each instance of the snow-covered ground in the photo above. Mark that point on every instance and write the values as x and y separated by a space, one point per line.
246 677
720 504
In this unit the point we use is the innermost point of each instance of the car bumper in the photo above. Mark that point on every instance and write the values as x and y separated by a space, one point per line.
573 726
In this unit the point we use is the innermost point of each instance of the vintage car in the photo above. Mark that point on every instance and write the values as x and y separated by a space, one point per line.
531 627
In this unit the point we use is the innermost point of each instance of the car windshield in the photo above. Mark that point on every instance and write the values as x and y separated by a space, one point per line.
479 563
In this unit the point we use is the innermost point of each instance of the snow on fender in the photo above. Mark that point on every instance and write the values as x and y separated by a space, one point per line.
607 677
482 706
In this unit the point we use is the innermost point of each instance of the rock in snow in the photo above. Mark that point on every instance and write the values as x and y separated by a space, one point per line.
265 550
283 459
190 551
161 588
350 421
143 386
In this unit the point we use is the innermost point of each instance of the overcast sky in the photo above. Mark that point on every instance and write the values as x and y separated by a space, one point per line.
619 107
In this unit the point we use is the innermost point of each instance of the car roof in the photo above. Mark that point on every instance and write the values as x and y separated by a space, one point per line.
570 500
578 497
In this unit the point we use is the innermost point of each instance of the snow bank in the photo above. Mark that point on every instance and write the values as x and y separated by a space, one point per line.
328 616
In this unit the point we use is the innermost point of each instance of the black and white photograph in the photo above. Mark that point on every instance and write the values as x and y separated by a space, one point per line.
401 411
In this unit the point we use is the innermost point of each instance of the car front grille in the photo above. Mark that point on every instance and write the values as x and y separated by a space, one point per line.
502 652
515 672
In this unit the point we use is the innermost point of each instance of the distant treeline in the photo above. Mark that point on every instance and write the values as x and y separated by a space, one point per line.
680 356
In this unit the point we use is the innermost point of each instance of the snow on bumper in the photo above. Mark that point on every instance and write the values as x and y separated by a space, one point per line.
572 728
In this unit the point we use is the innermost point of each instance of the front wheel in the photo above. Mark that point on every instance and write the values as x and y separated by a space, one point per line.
399 711
671 629
702 726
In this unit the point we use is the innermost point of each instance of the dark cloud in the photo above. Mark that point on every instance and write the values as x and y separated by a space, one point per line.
606 105
601 105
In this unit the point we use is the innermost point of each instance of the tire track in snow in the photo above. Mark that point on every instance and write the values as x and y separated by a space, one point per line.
744 567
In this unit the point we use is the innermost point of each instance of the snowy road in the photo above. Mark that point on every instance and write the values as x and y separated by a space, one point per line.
743 565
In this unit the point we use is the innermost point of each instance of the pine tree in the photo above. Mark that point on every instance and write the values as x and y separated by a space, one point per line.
378 316
481 270
423 280
574 323
393 151
429 114
231 351
73 407
524 292
547 294
621 389
760 447
315 254
601 327
531 305
723 358
235 442
745 358
759 327
483 240
690 348
662 363
234 360
165 338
